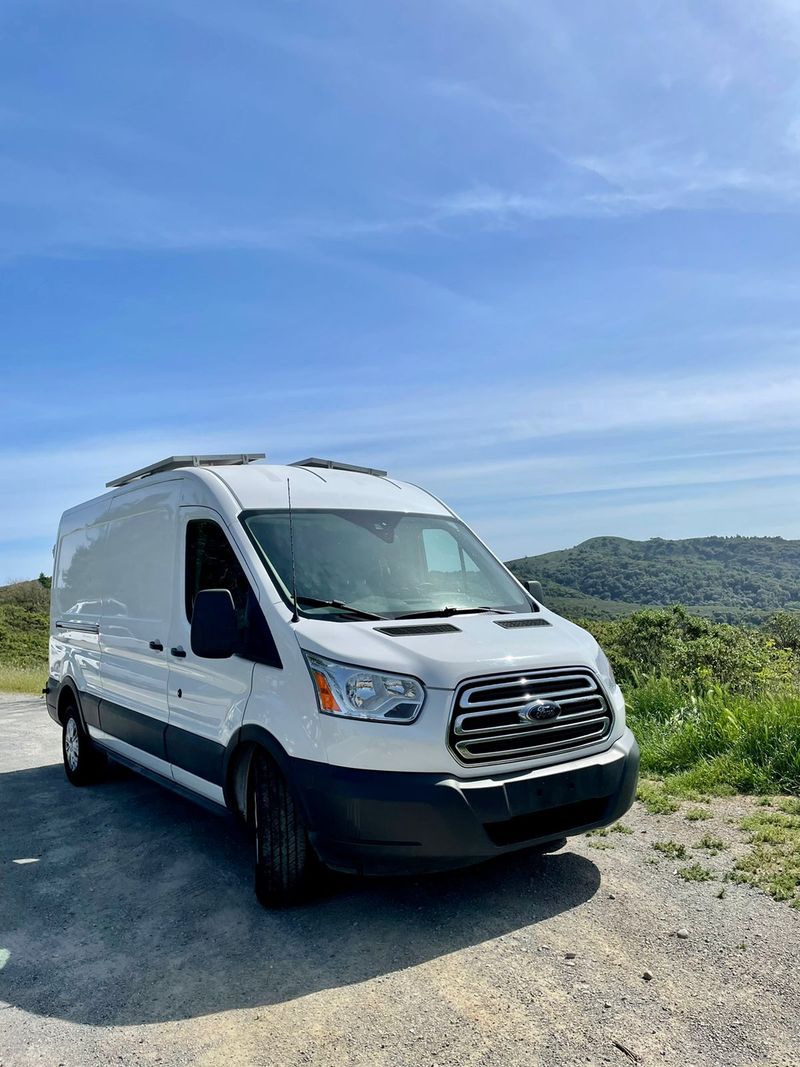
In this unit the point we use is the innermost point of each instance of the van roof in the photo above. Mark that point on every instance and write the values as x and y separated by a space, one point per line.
252 486
263 485
231 459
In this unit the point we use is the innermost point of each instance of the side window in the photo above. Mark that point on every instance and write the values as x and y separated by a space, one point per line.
211 563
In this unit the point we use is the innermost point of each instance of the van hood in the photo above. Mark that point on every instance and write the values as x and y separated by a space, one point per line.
478 646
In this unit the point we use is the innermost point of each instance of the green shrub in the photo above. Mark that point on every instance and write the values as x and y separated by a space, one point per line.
672 849
697 814
784 629
655 798
33 595
696 653
23 635
773 863
707 843
715 707
695 873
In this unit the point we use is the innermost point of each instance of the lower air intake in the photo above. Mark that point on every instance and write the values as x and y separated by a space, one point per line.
544 823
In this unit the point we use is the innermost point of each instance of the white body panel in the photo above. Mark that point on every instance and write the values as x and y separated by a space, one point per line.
76 597
219 696
137 574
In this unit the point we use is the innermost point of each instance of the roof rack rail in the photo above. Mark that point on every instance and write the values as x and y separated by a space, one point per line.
335 465
174 462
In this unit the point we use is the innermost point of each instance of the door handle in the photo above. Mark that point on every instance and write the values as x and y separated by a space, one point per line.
156 646
179 652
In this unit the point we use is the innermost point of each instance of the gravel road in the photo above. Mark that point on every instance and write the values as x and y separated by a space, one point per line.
132 936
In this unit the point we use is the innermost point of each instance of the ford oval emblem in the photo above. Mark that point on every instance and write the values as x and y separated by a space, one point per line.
540 711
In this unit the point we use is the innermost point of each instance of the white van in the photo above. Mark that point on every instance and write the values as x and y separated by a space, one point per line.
333 656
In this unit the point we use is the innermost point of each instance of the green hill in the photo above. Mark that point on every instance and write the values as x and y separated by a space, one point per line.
730 579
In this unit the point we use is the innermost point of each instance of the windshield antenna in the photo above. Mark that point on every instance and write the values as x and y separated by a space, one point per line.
295 616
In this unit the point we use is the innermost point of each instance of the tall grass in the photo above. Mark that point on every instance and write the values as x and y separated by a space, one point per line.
714 740
22 679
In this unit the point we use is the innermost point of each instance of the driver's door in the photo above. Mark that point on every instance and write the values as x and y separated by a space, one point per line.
206 697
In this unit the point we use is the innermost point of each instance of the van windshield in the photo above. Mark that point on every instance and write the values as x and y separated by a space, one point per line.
381 563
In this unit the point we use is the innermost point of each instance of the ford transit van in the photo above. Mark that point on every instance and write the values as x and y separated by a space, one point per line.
333 656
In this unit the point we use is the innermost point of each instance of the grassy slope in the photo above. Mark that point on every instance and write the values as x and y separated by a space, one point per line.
715 741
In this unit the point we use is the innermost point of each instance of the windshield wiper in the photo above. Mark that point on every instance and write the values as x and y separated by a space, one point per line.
314 602
444 612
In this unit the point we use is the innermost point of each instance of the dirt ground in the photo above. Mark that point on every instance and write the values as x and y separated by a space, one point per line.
129 934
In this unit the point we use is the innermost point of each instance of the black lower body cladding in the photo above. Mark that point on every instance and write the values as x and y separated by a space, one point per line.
197 755
382 822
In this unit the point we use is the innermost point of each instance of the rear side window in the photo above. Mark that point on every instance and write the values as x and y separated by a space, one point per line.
138 559
211 563
78 580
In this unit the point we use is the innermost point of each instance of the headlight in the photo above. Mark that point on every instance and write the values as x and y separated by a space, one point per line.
604 668
361 693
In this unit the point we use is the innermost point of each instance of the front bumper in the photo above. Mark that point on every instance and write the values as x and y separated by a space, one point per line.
390 822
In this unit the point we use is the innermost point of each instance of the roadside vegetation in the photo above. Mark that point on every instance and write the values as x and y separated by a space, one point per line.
773 863
24 620
14 679
716 710
715 707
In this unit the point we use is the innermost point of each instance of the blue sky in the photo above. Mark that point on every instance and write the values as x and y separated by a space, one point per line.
542 258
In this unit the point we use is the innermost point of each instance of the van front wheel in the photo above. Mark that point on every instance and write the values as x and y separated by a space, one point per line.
82 761
286 864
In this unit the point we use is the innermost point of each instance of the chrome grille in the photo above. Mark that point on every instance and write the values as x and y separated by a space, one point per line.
488 724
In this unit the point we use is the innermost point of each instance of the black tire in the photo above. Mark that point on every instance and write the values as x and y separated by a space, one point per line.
83 763
287 870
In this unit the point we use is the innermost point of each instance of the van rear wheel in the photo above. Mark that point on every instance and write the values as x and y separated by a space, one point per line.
287 868
83 763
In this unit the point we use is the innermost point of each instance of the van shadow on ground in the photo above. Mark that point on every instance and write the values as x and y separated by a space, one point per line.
140 908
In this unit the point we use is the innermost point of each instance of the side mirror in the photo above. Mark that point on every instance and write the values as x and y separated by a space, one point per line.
215 634
535 589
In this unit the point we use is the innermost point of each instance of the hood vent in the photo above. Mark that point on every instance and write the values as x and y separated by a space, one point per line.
518 624
414 631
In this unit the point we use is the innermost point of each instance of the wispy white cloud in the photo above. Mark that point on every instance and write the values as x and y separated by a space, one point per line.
639 181
83 208
660 177
528 446
692 110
